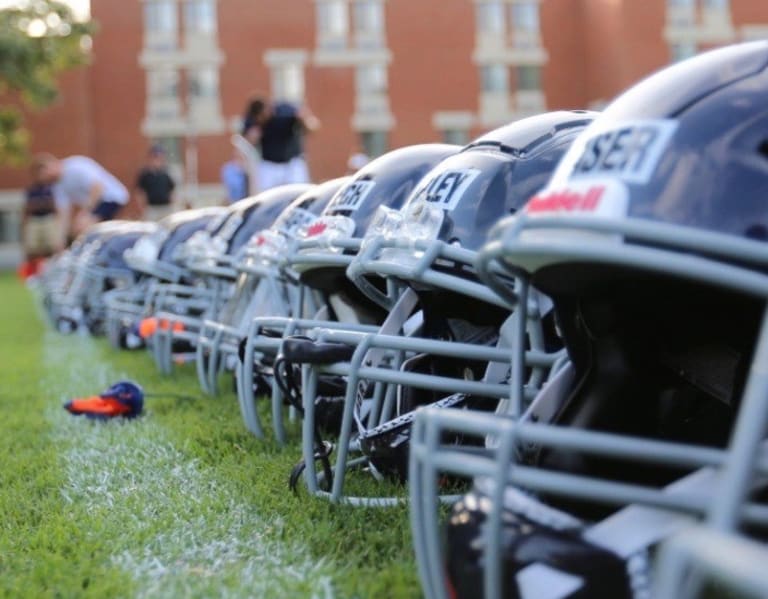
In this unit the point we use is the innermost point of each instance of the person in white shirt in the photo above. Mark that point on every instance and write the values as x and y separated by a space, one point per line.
85 192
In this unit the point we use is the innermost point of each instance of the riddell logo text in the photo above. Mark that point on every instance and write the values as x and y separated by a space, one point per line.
567 201
316 229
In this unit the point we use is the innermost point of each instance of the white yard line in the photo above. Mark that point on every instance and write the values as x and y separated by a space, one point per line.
183 532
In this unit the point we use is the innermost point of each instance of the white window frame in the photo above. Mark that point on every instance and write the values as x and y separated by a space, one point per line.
496 73
370 149
526 31
368 20
286 68
288 82
459 137
192 21
522 68
211 87
490 17
163 100
681 13
677 50
157 88
333 23
371 79
154 8
161 34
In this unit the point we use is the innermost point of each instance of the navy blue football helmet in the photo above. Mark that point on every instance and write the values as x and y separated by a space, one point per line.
93 266
324 249
211 256
263 286
442 341
155 258
650 241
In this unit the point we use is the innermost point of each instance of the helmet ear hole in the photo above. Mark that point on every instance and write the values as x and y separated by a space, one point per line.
758 232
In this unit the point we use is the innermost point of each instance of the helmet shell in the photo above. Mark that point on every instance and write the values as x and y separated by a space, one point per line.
386 181
497 173
260 211
687 146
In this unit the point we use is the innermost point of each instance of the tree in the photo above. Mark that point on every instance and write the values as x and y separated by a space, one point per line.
38 40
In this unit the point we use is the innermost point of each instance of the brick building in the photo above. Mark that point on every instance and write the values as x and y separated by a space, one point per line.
378 73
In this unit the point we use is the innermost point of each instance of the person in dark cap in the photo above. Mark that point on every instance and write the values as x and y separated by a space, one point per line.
154 187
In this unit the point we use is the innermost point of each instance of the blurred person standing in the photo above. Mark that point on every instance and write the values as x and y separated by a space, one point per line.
40 230
84 191
154 188
278 130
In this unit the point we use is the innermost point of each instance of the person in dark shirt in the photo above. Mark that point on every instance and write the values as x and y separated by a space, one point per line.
154 186
278 130
40 230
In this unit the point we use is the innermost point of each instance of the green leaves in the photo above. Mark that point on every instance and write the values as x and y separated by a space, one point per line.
13 137
38 40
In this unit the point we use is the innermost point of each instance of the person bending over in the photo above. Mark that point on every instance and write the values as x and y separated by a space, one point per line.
85 192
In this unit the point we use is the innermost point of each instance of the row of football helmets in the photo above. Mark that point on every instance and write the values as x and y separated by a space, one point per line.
559 329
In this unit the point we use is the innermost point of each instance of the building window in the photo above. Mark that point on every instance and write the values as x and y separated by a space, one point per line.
716 13
371 87
163 94
10 224
332 23
528 78
682 50
160 25
525 23
490 17
525 16
372 79
200 16
681 13
163 83
460 137
374 143
288 82
172 147
160 16
369 23
203 83
494 78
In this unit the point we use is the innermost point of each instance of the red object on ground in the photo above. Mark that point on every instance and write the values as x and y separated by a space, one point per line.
98 406
29 268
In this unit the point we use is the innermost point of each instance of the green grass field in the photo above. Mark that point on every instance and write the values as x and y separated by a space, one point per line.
183 502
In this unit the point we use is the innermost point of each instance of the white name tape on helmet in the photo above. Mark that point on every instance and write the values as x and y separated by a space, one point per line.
351 197
447 188
629 150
